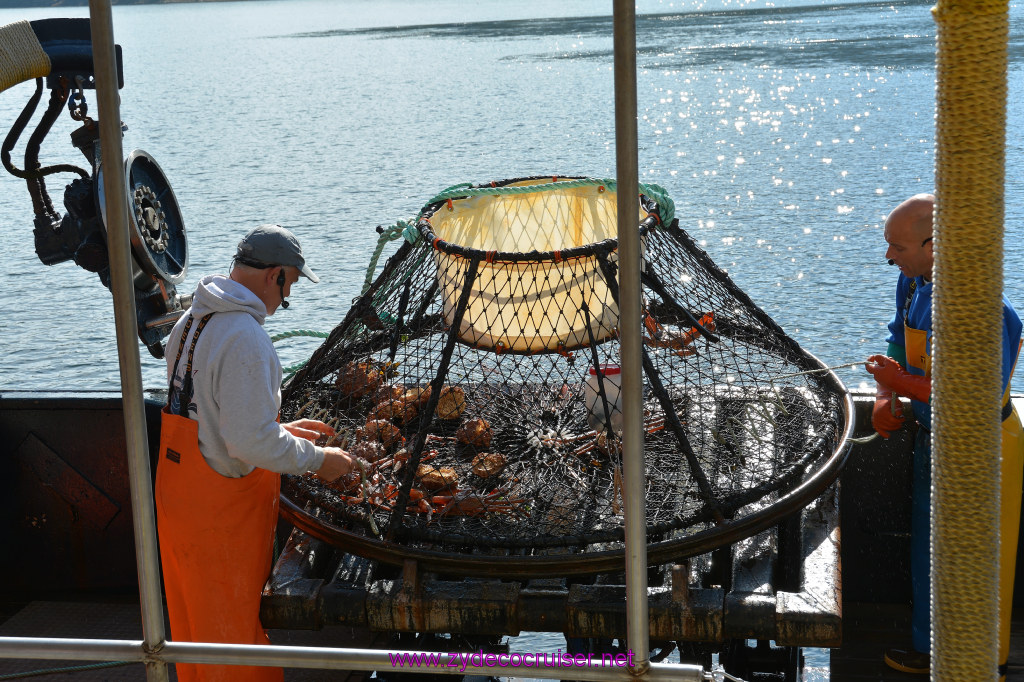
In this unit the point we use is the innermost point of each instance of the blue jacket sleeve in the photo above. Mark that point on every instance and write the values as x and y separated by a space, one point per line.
896 335
1011 340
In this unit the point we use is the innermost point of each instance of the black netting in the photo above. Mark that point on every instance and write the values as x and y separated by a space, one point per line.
467 377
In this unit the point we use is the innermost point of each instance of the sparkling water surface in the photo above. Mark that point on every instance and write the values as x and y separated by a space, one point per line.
784 134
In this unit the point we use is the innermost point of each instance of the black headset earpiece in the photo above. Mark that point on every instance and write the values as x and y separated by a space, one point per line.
280 283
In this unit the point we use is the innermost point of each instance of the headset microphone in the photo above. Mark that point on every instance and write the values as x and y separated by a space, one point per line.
280 283
892 262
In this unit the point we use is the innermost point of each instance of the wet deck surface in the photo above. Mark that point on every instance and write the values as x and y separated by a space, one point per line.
868 630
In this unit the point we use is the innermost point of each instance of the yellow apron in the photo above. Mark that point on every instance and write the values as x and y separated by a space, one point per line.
1012 472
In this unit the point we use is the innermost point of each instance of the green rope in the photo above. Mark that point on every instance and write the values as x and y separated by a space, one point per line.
403 228
666 206
292 369
298 332
407 228
69 669
384 292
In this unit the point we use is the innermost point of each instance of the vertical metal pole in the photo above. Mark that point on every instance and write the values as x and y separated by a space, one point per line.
637 628
122 287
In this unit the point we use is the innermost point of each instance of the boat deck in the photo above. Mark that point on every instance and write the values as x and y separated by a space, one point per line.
874 507
869 629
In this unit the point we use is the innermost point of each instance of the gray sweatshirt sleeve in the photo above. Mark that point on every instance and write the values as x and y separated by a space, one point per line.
248 385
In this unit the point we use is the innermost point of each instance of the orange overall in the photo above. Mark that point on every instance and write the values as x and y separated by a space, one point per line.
216 545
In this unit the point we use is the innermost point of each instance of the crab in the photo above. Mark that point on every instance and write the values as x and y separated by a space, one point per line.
488 464
476 432
599 440
396 461
680 342
388 392
358 379
436 478
396 409
369 450
380 430
417 397
468 503
450 402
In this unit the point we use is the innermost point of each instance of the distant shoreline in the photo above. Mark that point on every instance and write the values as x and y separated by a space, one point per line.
14 4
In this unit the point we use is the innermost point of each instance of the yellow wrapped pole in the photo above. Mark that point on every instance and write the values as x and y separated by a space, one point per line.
21 56
967 323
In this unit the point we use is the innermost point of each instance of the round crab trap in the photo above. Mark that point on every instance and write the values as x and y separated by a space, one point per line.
477 375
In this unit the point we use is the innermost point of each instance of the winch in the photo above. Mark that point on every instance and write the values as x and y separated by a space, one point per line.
60 51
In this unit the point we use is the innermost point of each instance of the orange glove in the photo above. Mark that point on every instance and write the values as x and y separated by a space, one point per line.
887 415
889 373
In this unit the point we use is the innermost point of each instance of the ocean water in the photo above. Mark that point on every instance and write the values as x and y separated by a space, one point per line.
784 135
784 132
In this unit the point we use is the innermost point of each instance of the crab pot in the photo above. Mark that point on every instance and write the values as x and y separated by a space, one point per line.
469 372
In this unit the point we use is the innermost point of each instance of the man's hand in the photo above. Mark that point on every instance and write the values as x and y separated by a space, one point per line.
310 429
887 415
888 372
338 463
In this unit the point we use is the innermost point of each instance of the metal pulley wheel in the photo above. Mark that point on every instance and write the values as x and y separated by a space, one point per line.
157 234
158 231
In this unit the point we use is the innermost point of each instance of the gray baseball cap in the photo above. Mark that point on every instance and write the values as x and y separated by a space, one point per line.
273 245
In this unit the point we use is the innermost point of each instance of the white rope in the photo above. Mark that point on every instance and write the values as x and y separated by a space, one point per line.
865 439
820 369
858 441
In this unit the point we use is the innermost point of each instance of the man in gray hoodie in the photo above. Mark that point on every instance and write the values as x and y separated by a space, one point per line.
222 451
